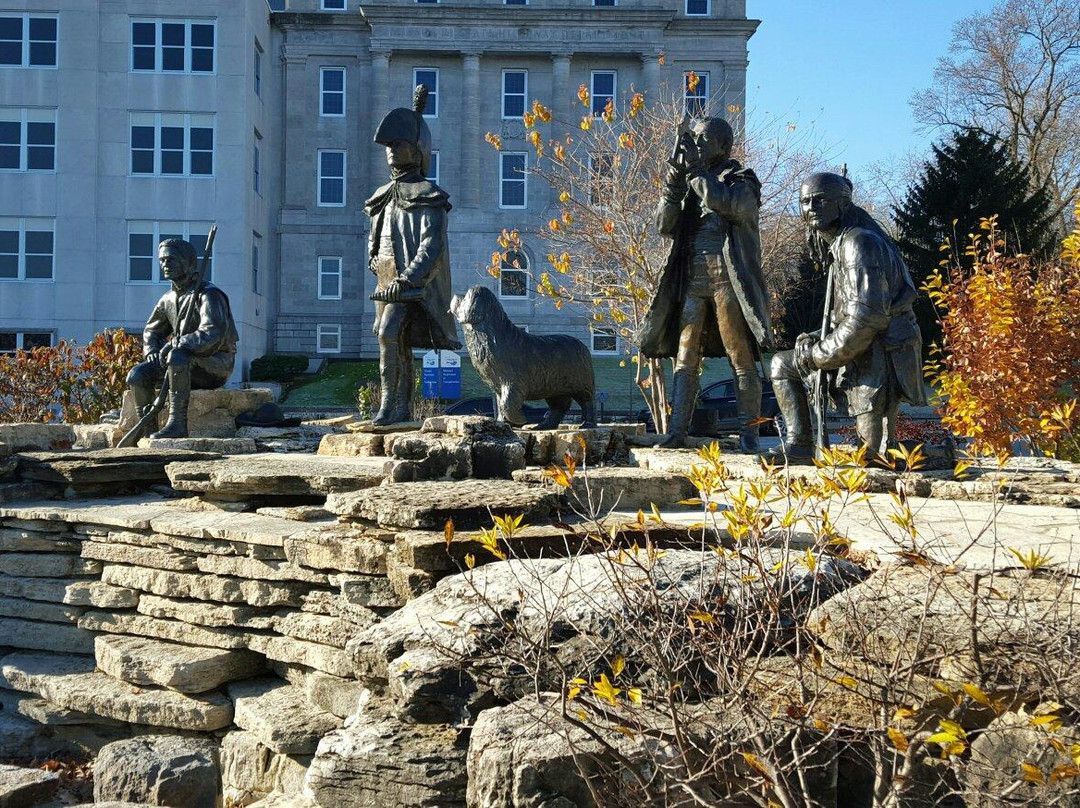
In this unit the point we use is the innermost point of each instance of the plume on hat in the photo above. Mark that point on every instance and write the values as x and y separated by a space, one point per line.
420 98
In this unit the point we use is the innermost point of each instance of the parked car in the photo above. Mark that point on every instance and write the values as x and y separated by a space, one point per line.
485 405
717 413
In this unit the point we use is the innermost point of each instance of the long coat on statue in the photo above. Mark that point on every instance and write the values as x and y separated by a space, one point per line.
414 213
725 199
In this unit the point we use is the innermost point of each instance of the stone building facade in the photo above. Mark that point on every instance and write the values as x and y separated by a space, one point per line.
260 117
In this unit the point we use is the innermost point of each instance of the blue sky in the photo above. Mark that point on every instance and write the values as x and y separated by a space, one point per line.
850 66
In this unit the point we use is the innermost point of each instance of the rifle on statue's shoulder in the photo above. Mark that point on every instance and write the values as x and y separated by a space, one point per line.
149 418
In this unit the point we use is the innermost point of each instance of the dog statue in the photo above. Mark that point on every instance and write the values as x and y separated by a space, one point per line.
519 366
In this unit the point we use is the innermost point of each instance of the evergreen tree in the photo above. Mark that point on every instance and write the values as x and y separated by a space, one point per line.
968 179
803 301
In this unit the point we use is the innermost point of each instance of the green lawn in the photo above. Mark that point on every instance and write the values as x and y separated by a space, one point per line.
335 385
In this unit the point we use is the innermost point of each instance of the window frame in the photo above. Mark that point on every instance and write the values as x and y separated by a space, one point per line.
603 331
524 94
33 224
702 99
507 266
320 177
323 92
323 273
159 55
257 69
327 328
593 95
524 180
605 3
324 7
256 262
433 94
256 167
185 228
434 176
25 114
25 41
706 13
20 340
188 151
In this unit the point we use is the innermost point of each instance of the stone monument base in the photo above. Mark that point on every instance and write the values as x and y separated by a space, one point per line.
211 413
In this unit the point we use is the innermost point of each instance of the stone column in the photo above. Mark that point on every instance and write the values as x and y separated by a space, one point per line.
471 136
650 76
380 105
561 91
734 85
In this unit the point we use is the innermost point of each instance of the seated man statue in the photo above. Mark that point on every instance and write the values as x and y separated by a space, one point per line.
190 335
871 352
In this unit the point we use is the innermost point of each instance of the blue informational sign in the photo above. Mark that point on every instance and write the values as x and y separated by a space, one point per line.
441 375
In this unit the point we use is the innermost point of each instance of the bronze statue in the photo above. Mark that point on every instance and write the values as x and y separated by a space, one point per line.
867 358
711 299
408 252
189 341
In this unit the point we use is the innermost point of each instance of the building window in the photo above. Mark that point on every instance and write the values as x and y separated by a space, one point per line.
601 178
604 340
697 8
11 341
697 97
26 249
28 40
332 92
603 90
328 338
144 238
429 76
512 187
27 139
433 168
516 2
333 5
428 1
331 178
515 91
172 144
603 2
256 242
256 166
514 275
173 46
258 68
329 277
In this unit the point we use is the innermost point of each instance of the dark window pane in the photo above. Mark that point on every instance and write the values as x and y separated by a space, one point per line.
603 2
202 163
332 192
9 133
37 340
11 28
143 33
142 137
39 267
202 60
9 241
202 36
41 158
9 340
9 157
172 162
333 164
603 84
140 244
173 34
172 59
172 137
10 53
141 269
9 266
39 241
202 138
333 80
514 82
513 167
512 283
142 162
42 29
43 54
41 134
143 58
333 104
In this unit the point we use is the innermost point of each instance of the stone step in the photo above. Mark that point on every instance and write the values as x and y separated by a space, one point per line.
428 505
621 487
36 610
100 470
25 787
220 446
280 715
184 668
352 444
72 682
267 475
169 630
47 565
48 714
35 636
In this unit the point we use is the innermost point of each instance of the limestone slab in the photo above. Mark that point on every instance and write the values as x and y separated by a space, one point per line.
216 588
340 549
47 565
250 769
72 682
337 696
211 413
315 628
221 446
38 610
171 630
352 444
159 770
372 591
46 713
21 787
280 715
266 475
129 513
214 615
101 467
428 505
247 528
184 668
28 541
258 569
195 547
621 487
120 553
35 436
30 634
324 658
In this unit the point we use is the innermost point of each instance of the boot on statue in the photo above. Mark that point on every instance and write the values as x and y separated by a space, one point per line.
683 399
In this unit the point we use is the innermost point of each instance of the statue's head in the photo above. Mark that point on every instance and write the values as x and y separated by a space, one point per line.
713 138
824 199
406 136
178 261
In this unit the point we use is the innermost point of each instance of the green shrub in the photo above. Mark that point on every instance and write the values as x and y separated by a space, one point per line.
278 367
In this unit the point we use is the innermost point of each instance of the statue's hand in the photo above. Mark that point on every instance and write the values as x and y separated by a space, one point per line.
163 354
152 358
395 289
804 354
